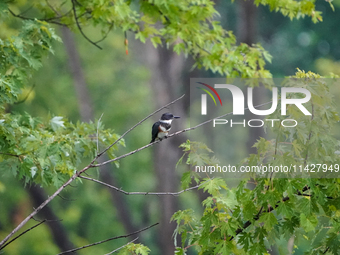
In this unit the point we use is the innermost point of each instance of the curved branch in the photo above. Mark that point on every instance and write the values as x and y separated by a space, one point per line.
79 27
51 20
143 193
106 240
36 225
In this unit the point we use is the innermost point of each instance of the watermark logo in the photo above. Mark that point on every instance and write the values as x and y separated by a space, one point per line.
238 99
204 97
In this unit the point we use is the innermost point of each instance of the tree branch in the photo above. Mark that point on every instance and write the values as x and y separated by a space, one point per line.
140 122
36 225
106 240
171 135
143 193
42 206
79 27
51 20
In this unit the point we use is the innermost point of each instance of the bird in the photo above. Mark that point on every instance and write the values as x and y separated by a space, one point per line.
161 128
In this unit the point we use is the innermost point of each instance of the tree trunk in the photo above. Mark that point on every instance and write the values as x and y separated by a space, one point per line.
87 113
166 82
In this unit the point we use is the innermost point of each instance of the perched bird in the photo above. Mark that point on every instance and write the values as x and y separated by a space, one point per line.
161 128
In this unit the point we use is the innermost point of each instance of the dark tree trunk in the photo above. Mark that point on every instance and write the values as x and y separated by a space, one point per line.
86 113
166 82
82 93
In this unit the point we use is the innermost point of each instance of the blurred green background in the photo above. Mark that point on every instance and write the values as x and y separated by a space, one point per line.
120 87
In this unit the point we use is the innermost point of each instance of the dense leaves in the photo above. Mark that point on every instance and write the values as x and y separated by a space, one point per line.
33 150
48 153
241 220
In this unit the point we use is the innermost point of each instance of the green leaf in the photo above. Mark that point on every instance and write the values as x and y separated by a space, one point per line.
186 180
213 185
269 221
56 123
308 223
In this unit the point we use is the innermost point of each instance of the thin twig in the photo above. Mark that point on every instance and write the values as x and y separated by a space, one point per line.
171 135
143 193
122 246
112 238
66 199
36 225
106 34
79 27
51 20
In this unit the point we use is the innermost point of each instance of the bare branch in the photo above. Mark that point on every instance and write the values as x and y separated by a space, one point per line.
140 122
36 225
42 206
112 238
122 246
143 193
171 135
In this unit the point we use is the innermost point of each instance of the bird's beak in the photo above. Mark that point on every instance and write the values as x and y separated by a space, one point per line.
176 117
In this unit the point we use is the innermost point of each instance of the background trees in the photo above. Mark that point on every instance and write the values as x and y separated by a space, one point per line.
79 79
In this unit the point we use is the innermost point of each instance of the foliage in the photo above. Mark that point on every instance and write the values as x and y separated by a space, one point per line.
136 249
294 9
189 27
241 220
46 153
235 220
